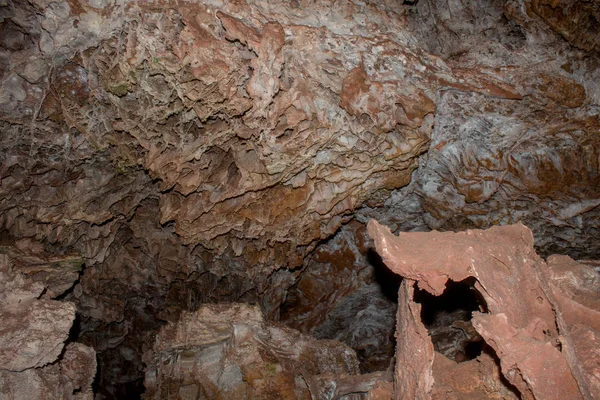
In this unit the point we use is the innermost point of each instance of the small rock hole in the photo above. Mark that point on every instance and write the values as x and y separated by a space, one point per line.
448 319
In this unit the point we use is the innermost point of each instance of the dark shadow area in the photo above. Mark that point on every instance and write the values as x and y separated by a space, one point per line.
384 277
132 390
363 317
448 319
490 351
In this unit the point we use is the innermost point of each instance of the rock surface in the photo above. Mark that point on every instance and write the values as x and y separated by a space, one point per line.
34 361
227 351
197 152
345 293
531 321
497 161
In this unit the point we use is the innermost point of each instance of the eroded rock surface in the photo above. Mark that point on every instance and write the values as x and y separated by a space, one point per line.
228 351
496 161
530 323
198 151
34 362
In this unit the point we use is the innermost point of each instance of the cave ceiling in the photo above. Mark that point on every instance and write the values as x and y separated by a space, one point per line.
192 152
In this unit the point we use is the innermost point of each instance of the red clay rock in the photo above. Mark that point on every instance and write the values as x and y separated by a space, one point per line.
520 324
574 287
477 379
413 375
575 20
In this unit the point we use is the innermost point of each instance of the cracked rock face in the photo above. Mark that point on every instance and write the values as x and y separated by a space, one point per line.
34 361
194 152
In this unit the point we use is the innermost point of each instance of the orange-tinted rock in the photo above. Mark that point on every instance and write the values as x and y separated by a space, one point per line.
413 375
510 124
575 20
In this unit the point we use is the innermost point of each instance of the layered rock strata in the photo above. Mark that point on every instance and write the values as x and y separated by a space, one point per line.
228 351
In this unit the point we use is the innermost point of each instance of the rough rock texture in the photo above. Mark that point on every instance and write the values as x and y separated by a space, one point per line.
345 293
530 322
472 380
201 151
413 376
70 378
34 362
250 122
500 161
575 289
227 351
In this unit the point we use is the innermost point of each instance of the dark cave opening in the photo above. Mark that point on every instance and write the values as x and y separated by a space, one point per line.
448 319
365 318
346 293
388 281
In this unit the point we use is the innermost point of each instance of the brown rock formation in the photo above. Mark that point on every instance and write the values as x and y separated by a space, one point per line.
196 151
227 351
34 362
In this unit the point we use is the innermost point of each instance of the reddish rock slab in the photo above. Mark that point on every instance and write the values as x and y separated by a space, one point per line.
414 351
471 380
576 290
520 324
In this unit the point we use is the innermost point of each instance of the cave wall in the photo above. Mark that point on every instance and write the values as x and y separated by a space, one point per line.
195 152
